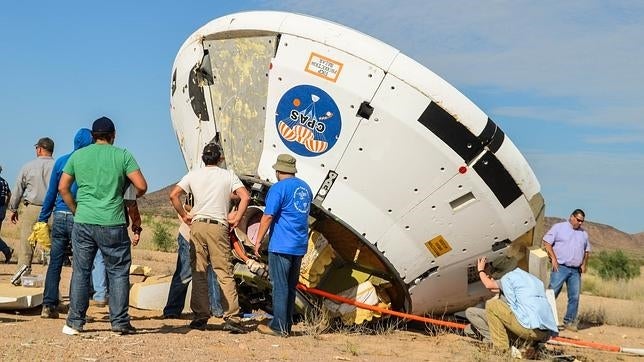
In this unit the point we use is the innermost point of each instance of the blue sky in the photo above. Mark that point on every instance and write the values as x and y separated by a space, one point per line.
563 79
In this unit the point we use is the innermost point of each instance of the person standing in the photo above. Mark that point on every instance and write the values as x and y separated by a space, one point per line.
209 223
31 187
288 204
522 308
61 230
568 246
183 276
100 171
5 195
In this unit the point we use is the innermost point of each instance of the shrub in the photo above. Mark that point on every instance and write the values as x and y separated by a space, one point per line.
162 238
615 265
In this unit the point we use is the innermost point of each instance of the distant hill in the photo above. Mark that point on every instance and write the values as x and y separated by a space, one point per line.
606 237
157 202
602 237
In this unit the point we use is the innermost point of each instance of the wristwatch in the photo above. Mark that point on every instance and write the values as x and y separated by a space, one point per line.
137 229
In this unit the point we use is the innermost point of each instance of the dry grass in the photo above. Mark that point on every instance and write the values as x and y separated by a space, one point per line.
619 289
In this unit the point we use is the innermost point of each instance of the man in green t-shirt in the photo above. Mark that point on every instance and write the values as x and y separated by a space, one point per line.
100 171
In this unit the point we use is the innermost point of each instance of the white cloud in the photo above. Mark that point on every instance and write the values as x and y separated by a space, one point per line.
588 51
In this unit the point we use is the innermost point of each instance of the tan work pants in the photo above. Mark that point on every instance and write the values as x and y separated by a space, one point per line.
209 243
500 320
28 218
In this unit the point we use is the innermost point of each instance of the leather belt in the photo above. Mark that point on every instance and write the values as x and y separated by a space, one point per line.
207 220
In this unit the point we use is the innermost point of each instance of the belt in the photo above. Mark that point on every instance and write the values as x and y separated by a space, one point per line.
208 220
64 212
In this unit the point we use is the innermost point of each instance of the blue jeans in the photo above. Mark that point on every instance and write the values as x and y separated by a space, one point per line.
284 270
114 244
182 277
99 280
4 248
61 238
572 278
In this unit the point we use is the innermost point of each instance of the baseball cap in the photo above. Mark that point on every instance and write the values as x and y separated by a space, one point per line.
103 124
46 143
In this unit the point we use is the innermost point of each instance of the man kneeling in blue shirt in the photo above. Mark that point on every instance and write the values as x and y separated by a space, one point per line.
522 308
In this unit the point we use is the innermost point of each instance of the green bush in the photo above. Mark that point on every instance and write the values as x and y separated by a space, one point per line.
162 238
615 265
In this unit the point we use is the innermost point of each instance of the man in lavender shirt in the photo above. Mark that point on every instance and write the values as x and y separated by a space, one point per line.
568 247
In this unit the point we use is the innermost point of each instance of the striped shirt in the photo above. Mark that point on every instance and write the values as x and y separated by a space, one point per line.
4 191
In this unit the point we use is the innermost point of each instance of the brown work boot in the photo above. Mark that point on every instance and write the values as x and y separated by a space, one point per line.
49 312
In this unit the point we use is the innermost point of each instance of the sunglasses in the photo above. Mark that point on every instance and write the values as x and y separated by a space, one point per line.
578 219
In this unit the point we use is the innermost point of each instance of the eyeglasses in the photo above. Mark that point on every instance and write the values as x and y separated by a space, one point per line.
578 219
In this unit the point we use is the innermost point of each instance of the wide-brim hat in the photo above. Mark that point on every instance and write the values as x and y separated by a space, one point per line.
285 163
502 265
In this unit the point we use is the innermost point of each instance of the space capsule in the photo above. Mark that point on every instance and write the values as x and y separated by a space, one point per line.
412 181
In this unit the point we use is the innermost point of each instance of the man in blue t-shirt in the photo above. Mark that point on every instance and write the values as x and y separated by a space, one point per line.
287 211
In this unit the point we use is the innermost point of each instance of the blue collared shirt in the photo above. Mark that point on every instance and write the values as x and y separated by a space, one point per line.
526 296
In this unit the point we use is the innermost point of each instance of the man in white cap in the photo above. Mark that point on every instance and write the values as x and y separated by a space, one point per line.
288 203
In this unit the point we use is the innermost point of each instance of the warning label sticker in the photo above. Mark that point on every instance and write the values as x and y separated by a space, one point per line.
323 67
438 246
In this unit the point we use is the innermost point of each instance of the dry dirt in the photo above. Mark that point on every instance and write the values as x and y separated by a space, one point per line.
27 336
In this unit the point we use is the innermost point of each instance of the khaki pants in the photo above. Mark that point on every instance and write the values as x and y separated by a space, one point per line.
209 243
28 218
500 320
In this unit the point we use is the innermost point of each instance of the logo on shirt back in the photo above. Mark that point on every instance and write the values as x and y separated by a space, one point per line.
301 200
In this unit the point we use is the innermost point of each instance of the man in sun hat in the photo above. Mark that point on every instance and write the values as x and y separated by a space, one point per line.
288 204
522 308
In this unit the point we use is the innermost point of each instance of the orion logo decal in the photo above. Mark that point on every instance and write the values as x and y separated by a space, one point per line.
308 120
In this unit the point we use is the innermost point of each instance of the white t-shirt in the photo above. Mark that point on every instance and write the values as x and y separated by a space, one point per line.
211 187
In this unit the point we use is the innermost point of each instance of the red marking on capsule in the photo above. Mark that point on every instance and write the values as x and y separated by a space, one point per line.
270 66
462 169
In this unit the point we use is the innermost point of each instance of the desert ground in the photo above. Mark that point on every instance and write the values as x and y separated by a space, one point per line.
26 336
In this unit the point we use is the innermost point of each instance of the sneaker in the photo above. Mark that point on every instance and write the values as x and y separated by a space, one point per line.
264 329
7 256
233 326
49 312
124 329
199 324
70 331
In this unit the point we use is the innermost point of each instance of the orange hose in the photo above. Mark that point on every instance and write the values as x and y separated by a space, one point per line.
594 345
344 300
322 293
